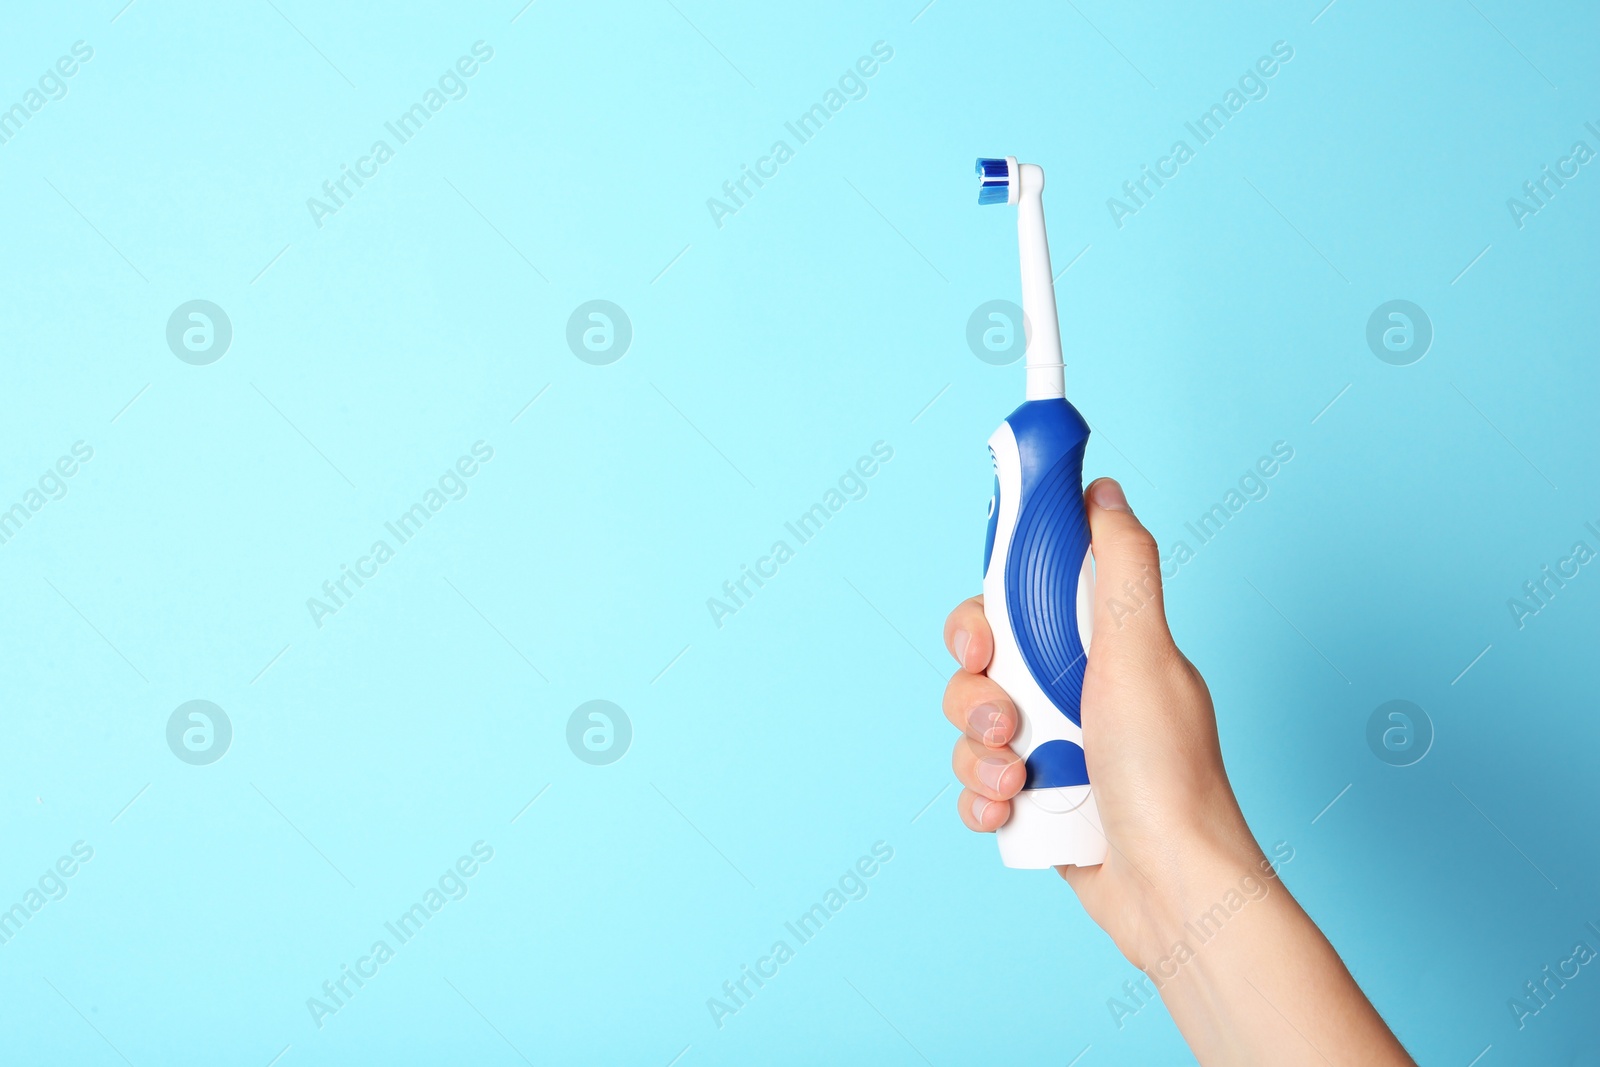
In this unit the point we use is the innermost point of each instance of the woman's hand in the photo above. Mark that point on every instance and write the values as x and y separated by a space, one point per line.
1149 738
1179 852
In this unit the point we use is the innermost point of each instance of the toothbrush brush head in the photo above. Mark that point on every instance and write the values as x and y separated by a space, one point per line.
999 181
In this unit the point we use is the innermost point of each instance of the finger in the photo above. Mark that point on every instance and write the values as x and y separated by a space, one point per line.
1076 876
1127 568
982 814
1081 879
967 636
980 709
995 773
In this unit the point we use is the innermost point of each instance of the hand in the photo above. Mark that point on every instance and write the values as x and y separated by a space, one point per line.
1149 737
1178 842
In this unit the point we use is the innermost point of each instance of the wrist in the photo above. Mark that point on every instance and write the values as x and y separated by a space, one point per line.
1210 874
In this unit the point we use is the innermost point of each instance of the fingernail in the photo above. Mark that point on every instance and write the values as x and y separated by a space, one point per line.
1108 496
980 808
991 770
962 640
989 723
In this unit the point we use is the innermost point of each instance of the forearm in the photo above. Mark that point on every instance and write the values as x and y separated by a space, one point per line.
1248 977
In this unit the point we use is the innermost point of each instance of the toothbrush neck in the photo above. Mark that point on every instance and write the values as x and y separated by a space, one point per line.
1045 379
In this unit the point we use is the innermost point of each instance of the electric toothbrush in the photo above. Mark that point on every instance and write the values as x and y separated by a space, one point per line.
1038 579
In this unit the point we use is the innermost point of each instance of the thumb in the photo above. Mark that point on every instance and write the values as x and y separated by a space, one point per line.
1127 567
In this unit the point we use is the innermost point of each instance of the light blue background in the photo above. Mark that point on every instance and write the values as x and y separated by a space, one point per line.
770 753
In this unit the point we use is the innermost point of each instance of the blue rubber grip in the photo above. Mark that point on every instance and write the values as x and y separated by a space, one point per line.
1043 568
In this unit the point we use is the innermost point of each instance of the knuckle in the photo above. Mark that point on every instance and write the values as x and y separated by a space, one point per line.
954 693
961 761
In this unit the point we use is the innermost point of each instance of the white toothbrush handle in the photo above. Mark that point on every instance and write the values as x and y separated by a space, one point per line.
1037 458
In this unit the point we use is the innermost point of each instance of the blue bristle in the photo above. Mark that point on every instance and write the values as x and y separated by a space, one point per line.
994 181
